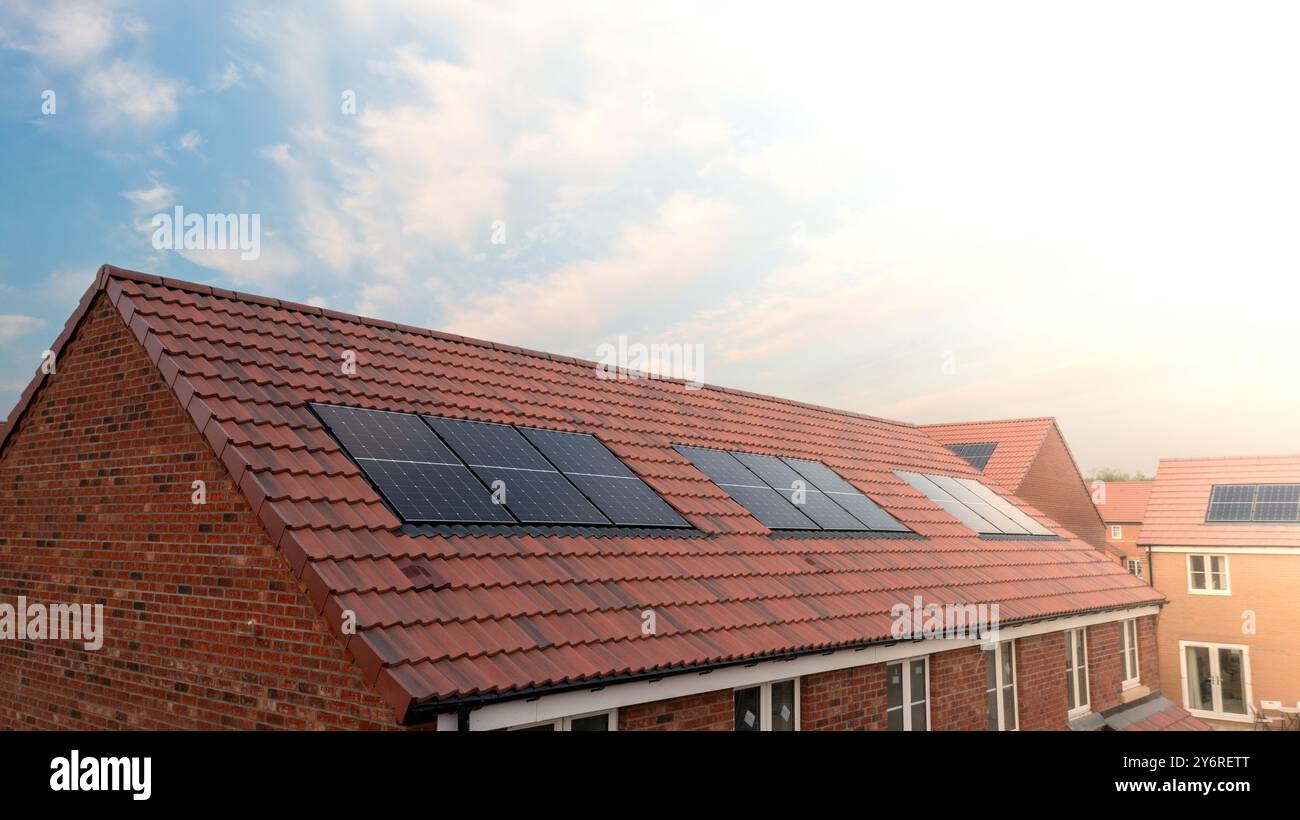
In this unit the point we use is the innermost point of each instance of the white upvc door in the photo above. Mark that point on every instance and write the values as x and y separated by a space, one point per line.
1216 679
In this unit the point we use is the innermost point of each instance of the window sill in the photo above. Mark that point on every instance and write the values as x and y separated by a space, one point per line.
1209 592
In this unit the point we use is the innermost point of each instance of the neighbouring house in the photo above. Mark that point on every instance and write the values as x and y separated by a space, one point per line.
1122 504
1029 458
300 518
1224 541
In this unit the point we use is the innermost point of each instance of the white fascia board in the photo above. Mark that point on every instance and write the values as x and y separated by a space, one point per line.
549 707
1229 550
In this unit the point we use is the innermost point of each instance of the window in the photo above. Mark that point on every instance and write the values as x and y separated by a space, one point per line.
907 684
594 722
1128 644
770 707
1135 566
1076 671
1000 690
1116 532
1207 574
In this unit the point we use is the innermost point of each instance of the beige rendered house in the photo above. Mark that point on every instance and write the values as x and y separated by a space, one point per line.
1224 540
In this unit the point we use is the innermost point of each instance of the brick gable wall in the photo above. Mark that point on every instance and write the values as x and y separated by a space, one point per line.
1053 485
97 485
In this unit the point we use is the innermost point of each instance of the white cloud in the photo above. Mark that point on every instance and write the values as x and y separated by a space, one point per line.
190 141
129 94
263 274
158 195
230 77
13 326
62 34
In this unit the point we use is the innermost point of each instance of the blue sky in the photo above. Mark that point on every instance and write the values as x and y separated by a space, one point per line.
934 213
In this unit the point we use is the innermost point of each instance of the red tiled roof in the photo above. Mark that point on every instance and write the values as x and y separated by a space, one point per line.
1156 715
1180 497
1126 502
453 616
1018 440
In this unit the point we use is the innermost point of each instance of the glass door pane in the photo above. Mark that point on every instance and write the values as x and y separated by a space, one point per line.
1232 682
1200 683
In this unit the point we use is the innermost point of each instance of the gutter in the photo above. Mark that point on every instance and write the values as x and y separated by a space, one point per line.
428 711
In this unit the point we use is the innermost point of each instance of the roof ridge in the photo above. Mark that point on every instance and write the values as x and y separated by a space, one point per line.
113 272
973 422
1229 458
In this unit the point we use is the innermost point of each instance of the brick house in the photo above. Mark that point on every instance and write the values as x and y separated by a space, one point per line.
1029 458
221 471
1122 506
1224 539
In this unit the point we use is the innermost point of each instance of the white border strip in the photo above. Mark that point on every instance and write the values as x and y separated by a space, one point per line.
551 707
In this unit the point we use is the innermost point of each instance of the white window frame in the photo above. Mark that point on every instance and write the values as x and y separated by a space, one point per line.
1116 532
908 700
565 724
1128 645
765 702
998 650
1135 567
1078 672
1207 561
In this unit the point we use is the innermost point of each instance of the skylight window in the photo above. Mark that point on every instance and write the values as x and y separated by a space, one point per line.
791 493
1254 503
975 505
440 470
976 455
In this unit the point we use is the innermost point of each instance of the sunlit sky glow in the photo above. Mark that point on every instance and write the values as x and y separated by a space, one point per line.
1090 210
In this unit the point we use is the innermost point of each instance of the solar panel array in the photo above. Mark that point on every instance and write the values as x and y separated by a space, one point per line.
976 455
975 505
1254 503
440 470
791 494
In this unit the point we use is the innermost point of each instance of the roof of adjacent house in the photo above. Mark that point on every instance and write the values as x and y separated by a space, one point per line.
1018 440
1180 498
1126 501
446 615
1157 714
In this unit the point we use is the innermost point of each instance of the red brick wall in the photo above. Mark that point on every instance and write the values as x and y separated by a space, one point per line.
1040 682
957 685
847 699
1105 666
97 507
710 712
1053 485
1149 657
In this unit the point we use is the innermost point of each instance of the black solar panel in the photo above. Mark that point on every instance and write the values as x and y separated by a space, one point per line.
800 491
607 482
534 491
976 455
415 472
748 490
871 514
978 504
1259 503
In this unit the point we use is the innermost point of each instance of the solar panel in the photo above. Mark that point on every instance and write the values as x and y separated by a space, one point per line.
748 490
415 472
949 504
607 482
811 502
976 502
871 514
1259 503
1005 507
535 492
976 455
1277 502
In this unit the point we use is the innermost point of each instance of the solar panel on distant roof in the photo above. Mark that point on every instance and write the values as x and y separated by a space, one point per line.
976 455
